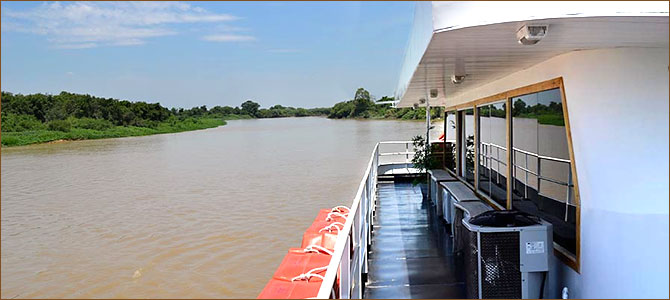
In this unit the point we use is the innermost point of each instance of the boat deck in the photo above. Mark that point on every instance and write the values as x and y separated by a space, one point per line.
410 254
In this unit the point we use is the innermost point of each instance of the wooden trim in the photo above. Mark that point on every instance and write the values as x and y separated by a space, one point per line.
568 259
475 115
509 150
459 136
529 89
575 182
444 147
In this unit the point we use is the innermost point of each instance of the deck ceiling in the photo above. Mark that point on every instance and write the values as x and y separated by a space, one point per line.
490 52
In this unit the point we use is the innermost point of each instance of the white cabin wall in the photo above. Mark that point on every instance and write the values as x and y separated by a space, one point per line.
617 102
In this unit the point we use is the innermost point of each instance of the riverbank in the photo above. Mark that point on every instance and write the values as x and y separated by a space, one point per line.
10 139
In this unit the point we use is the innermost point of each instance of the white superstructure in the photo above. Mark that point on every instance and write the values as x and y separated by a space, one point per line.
610 59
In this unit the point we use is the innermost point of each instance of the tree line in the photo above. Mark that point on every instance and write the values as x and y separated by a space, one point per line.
69 110
364 106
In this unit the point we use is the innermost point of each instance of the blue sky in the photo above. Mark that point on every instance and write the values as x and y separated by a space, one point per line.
185 54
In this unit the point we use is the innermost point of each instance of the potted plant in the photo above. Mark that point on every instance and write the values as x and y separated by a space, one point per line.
423 161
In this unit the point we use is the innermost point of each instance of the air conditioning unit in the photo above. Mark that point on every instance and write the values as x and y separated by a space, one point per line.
464 210
436 177
455 192
506 255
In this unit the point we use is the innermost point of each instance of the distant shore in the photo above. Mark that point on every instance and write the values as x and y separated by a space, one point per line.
11 139
43 118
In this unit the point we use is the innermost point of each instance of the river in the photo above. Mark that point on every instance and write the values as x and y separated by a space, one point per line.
201 214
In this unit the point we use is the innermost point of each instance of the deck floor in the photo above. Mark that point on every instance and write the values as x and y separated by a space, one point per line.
410 255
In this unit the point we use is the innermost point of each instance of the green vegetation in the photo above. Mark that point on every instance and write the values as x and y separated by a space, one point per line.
363 106
68 131
551 114
40 118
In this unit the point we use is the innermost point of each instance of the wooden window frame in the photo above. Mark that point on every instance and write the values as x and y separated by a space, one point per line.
566 257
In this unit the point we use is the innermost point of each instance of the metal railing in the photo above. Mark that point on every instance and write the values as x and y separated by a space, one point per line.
526 154
349 260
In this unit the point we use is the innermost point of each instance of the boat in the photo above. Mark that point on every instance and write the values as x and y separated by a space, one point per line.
553 175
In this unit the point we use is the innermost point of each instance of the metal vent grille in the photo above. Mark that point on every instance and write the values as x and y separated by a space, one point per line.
471 265
501 277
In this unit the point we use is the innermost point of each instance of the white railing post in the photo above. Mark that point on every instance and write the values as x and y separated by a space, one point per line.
407 154
345 268
525 189
567 196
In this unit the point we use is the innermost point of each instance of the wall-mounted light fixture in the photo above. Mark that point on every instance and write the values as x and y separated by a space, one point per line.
531 34
459 71
457 79
433 93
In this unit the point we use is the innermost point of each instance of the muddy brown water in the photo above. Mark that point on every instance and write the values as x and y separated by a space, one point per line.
201 214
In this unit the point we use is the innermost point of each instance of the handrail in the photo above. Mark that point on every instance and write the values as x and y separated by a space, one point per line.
343 237
396 153
394 142
349 259
528 153
527 171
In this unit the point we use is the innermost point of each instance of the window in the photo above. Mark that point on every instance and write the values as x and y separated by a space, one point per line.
468 146
450 135
542 180
543 183
493 152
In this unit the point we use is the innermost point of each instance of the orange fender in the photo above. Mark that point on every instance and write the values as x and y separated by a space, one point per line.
282 289
297 262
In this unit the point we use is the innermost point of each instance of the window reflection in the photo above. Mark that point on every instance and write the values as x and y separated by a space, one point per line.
450 136
493 152
542 182
468 145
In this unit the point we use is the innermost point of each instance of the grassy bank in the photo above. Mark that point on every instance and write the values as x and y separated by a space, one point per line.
75 133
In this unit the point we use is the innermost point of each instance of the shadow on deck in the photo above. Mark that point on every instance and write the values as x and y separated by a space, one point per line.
410 254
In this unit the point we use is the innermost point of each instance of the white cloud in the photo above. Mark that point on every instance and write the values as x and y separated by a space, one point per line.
92 24
228 38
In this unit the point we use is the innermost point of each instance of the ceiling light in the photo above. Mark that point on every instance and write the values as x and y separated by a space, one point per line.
531 34
457 79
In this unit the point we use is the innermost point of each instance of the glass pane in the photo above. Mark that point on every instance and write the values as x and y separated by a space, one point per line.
541 148
498 153
524 140
553 144
469 145
484 149
450 136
